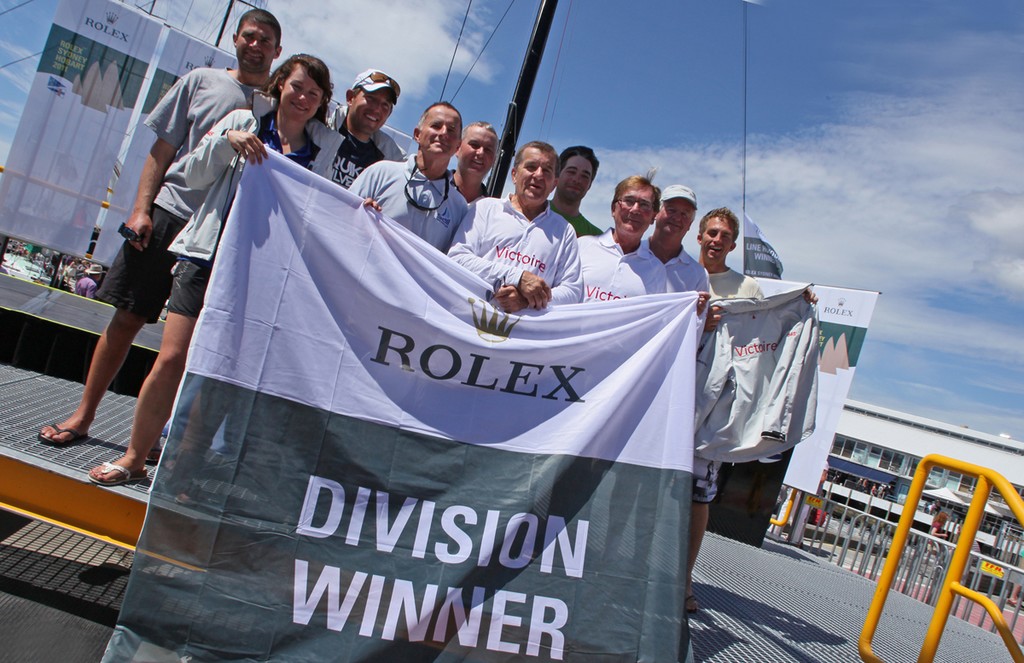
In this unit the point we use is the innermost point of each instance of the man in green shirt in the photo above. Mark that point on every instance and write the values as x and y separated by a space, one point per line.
578 170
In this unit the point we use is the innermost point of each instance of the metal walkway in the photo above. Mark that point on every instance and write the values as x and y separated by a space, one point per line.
59 591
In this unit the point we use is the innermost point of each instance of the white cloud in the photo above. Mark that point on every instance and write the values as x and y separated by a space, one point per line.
919 196
411 40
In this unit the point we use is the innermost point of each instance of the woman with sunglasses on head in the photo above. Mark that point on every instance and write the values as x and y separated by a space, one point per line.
287 117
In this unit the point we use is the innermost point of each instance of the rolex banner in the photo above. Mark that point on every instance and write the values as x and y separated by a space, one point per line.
78 109
368 462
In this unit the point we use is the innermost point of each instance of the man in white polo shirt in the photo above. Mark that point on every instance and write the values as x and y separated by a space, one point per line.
618 263
673 221
519 244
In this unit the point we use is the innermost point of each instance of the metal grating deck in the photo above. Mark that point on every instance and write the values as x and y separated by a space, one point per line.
29 401
778 603
762 605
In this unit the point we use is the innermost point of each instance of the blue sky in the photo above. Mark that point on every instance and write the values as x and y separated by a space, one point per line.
885 142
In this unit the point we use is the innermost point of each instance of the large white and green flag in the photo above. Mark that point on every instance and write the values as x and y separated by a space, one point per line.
369 462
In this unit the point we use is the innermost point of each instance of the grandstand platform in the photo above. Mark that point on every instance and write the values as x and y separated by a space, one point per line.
60 590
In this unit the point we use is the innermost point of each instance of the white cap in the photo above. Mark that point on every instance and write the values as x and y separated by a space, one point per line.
679 191
372 80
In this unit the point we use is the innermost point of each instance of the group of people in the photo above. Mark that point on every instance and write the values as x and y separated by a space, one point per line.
534 246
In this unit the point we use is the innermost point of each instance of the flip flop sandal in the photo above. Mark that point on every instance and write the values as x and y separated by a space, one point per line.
75 436
122 475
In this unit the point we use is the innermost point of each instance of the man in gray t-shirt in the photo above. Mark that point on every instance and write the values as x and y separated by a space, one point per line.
139 281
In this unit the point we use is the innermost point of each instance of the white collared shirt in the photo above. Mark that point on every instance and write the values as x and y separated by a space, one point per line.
684 274
608 273
498 243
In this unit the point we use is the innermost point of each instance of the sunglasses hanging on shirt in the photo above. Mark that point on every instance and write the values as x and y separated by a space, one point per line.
411 198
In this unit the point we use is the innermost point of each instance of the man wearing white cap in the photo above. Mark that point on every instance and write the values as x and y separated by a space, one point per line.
673 221
370 101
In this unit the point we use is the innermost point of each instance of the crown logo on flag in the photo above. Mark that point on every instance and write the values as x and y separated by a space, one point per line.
209 60
494 327
112 17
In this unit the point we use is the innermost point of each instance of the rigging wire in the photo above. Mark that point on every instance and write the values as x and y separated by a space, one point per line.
455 52
20 60
554 75
484 48
16 6
188 12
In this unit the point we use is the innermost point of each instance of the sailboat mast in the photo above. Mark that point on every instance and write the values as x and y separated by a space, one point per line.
224 23
524 87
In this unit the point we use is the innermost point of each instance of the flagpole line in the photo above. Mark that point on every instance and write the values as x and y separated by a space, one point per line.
743 175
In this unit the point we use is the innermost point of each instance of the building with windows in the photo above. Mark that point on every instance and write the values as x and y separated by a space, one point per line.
877 448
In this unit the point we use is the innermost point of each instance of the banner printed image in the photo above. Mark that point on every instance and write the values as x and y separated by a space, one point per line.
101 76
840 346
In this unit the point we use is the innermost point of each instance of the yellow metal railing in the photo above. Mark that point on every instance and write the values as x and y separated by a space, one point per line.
951 587
787 512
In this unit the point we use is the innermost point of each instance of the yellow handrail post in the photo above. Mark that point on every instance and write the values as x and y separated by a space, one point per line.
962 552
885 579
987 479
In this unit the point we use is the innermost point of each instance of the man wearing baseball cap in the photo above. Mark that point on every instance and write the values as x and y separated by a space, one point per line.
370 101
673 221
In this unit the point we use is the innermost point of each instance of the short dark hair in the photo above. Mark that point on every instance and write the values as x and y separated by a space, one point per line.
579 151
315 69
263 17
480 124
442 104
540 146
722 213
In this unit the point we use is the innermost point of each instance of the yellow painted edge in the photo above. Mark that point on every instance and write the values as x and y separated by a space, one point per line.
74 504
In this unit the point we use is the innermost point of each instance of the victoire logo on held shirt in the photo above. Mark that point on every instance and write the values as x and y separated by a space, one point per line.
754 349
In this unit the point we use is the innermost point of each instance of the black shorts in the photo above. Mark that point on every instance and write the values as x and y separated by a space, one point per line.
189 289
140 281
